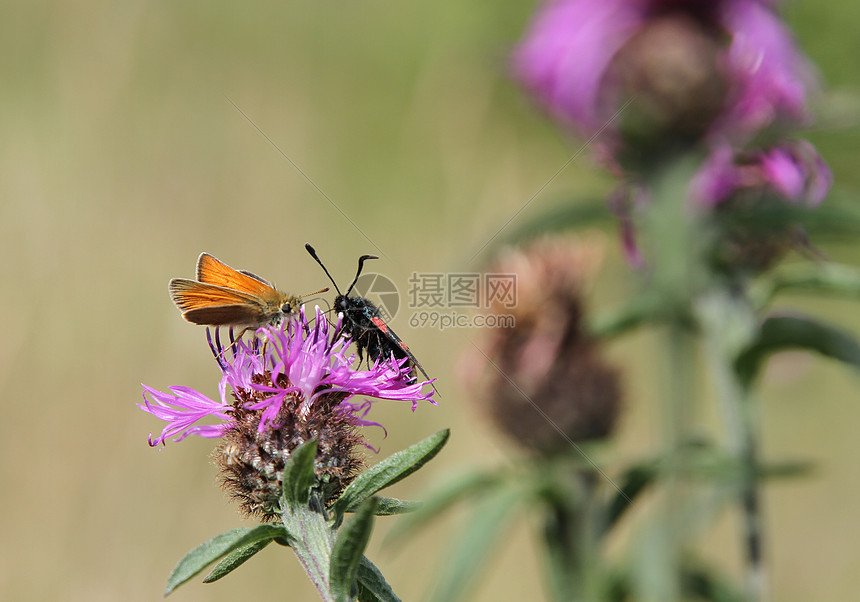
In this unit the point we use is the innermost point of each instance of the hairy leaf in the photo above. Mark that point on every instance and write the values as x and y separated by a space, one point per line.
299 473
389 471
349 548
208 552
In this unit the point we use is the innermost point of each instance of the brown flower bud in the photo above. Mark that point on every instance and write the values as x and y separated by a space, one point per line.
545 383
251 462
671 68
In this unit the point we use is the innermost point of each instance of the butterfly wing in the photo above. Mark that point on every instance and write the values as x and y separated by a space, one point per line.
211 270
212 305
223 315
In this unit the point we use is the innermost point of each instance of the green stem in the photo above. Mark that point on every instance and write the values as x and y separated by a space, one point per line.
313 542
678 410
564 570
572 534
674 234
728 323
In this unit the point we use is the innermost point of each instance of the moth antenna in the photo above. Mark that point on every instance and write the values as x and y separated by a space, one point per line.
313 254
361 261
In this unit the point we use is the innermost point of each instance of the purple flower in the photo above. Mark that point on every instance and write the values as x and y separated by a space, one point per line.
302 365
582 58
794 170
568 49
770 75
797 172
182 408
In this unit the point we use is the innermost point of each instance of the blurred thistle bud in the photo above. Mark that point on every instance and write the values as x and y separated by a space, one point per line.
542 381
721 70
792 170
671 66
745 191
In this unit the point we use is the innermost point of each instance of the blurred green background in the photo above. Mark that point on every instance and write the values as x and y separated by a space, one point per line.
122 157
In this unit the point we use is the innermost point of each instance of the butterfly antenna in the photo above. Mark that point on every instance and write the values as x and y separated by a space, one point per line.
313 254
361 261
319 292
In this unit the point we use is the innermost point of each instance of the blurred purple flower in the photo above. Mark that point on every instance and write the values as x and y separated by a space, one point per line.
793 169
568 49
302 361
566 61
771 76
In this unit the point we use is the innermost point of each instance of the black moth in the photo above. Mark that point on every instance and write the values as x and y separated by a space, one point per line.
363 323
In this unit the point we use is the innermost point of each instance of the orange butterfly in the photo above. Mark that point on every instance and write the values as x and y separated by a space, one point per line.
222 296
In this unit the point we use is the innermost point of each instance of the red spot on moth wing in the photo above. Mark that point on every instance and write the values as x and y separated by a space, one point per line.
380 324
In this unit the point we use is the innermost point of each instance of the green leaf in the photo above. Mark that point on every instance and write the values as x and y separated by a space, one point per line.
640 310
771 213
372 585
474 542
633 482
786 469
570 215
709 585
564 560
208 552
299 473
234 560
836 219
348 550
389 471
697 582
779 333
617 584
390 505
702 461
443 497
829 278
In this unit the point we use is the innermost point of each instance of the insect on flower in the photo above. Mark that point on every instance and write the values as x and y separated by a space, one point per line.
364 325
222 296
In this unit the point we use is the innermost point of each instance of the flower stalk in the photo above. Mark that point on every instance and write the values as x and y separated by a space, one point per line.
729 324
313 542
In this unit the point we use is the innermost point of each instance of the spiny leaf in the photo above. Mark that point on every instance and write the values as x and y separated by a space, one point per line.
389 471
